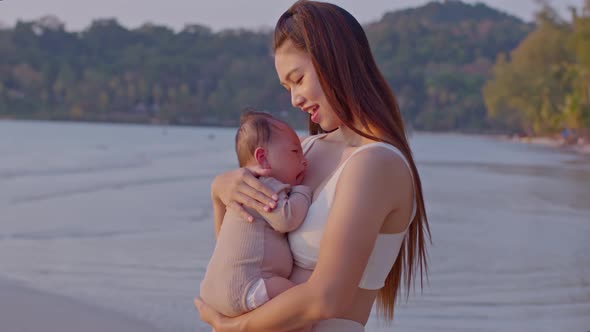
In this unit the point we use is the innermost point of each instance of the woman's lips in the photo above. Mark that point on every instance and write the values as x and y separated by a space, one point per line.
314 114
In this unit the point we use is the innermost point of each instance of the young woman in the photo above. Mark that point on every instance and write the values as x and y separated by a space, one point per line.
366 229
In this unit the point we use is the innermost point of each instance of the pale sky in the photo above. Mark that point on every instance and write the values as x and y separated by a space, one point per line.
216 14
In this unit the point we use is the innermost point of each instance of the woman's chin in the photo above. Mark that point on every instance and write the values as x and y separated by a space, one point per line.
328 127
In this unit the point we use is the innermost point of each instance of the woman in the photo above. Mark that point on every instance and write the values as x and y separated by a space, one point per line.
368 210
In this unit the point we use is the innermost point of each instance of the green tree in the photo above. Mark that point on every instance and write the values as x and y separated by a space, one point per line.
528 90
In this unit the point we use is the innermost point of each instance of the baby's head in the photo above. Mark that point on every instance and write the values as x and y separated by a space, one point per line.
272 144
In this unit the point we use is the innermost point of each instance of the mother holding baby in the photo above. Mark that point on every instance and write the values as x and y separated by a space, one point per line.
366 231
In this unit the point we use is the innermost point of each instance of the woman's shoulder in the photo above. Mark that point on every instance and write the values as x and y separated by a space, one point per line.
379 160
376 177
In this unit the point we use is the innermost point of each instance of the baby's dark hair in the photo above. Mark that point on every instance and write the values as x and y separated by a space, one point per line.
255 131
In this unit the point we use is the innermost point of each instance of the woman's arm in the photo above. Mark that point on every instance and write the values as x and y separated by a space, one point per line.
373 184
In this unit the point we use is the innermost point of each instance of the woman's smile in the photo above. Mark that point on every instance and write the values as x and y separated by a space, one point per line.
313 112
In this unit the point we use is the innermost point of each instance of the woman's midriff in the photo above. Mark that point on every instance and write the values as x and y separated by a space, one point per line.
362 304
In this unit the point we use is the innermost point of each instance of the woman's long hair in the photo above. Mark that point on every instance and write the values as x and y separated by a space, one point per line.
358 93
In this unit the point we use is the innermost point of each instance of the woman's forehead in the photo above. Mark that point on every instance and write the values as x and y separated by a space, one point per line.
288 57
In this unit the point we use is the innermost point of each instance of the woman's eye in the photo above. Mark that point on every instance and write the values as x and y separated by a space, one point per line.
299 80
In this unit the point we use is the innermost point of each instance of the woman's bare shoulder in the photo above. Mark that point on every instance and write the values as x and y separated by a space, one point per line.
379 163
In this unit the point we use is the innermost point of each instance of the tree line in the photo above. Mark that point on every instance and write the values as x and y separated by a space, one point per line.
453 66
543 85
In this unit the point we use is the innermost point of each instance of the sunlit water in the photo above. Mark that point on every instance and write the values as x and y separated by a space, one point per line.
119 216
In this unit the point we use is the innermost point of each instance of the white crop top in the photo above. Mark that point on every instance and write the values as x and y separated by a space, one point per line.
305 241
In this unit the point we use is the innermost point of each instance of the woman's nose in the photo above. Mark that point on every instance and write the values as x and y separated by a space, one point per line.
296 100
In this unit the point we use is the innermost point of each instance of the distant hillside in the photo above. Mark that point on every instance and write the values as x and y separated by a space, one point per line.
450 12
436 58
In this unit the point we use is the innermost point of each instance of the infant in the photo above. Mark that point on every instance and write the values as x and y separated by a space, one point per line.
252 262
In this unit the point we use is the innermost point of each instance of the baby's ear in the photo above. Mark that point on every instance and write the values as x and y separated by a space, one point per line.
261 157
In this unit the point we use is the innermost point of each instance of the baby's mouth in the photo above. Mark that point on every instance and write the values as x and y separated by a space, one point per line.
299 177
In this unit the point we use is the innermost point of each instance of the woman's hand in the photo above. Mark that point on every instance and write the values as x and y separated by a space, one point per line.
208 315
219 322
241 187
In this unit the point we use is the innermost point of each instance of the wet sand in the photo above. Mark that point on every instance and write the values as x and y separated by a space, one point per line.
24 309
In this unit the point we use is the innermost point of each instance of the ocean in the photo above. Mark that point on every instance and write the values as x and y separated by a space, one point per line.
119 217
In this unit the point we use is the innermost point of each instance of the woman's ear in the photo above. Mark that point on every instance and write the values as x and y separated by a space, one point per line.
261 157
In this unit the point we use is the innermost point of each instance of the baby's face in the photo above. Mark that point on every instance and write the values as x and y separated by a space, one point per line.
285 156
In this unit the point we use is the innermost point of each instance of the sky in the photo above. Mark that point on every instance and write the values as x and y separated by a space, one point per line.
217 14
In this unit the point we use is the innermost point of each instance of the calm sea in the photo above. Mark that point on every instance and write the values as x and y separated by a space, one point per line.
118 216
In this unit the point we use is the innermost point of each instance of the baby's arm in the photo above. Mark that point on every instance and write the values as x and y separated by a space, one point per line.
291 208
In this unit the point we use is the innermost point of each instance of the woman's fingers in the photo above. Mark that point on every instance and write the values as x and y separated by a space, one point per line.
250 202
240 188
200 308
264 193
258 196
235 206
207 314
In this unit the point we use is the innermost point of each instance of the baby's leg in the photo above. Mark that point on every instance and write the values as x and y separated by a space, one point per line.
277 285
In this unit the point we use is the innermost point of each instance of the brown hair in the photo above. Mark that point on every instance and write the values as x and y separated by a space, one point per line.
255 131
358 92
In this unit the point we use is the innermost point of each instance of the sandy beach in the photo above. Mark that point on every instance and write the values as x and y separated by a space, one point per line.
26 310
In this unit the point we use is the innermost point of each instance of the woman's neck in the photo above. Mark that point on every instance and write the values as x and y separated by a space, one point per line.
350 137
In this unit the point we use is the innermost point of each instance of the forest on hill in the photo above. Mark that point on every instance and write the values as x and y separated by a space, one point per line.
453 66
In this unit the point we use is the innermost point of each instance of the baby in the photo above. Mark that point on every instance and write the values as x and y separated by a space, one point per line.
252 262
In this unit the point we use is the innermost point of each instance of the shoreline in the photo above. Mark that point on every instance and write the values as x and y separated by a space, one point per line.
581 148
27 309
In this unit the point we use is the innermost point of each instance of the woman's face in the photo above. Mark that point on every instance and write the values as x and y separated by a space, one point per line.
298 76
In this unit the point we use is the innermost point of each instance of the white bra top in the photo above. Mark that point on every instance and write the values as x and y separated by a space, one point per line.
305 241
